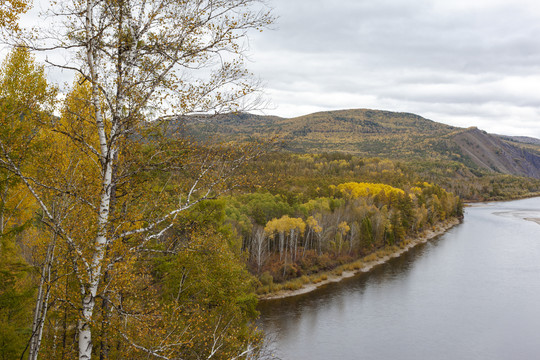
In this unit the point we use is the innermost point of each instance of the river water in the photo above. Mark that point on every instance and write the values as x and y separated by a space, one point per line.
472 293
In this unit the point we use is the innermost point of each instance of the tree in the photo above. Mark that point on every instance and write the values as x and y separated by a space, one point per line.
25 99
10 11
288 230
314 229
140 61
258 247
203 290
16 293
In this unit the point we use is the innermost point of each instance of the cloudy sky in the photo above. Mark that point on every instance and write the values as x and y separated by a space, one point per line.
461 62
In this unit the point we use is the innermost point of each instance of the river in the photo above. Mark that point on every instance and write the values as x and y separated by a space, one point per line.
472 293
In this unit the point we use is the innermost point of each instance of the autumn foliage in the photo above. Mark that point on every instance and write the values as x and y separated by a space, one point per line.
302 224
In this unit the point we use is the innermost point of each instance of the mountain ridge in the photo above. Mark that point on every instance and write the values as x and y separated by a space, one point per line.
380 133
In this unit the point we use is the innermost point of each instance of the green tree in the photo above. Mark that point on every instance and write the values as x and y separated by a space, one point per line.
16 298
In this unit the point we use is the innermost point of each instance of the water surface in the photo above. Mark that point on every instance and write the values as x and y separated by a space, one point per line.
473 293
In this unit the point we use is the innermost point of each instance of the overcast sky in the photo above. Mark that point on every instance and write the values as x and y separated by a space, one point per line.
461 62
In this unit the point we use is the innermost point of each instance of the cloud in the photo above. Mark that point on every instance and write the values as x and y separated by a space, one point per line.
455 61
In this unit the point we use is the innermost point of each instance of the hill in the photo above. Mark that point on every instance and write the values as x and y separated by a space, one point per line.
373 133
492 153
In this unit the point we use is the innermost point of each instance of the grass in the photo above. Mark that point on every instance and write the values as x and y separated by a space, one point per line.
319 278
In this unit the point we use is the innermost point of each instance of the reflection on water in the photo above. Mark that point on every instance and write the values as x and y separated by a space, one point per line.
470 294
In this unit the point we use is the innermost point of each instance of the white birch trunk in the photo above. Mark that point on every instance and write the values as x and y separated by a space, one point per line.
319 240
107 155
42 305
259 238
89 294
281 244
293 244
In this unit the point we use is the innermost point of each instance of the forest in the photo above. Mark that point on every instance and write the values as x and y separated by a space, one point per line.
443 154
286 241
124 237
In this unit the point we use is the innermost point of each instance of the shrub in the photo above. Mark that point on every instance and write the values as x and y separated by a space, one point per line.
267 279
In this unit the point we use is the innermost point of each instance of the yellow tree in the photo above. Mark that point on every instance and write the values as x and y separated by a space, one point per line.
277 226
343 230
25 101
314 229
288 230
10 11
144 62
353 190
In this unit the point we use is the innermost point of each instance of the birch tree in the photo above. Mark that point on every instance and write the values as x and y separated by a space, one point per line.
144 62
258 247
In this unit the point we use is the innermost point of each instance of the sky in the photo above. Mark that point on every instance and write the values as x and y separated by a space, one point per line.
460 62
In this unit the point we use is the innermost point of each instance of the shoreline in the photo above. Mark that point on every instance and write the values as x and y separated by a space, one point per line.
519 197
367 266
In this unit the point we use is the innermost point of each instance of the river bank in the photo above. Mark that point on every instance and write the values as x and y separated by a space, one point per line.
365 264
469 202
